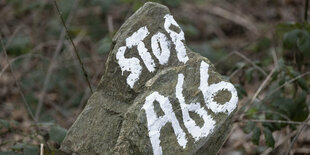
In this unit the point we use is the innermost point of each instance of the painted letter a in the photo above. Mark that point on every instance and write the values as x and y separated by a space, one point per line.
155 123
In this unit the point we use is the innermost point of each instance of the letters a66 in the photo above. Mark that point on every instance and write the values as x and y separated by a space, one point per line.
155 123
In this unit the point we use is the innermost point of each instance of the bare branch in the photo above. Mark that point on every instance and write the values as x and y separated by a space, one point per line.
75 50
16 82
277 121
251 62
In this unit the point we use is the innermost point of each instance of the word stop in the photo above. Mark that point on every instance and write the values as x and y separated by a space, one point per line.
133 66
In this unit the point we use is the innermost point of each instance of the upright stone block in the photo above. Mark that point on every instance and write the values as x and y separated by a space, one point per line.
156 95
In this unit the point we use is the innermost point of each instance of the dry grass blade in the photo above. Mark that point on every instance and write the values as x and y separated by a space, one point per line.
261 87
75 49
251 62
16 59
269 150
290 81
277 121
238 19
25 103
223 59
304 126
53 62
297 135
16 82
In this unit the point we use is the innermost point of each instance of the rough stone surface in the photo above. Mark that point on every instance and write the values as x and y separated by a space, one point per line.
114 120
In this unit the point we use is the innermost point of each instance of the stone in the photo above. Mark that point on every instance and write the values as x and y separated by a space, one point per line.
156 95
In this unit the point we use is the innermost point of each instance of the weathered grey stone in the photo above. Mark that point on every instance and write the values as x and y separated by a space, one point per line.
118 116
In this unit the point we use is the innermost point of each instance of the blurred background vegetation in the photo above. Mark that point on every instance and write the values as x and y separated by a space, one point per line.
263 47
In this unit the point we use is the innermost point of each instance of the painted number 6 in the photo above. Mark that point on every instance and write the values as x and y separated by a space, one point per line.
155 123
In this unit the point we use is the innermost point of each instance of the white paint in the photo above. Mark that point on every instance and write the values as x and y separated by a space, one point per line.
129 64
210 91
162 53
155 123
136 39
160 47
133 64
196 131
177 38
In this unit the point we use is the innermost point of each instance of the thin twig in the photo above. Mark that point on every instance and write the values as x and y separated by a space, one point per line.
286 83
82 103
251 62
110 24
294 140
75 50
280 142
274 57
232 53
16 82
276 121
269 94
263 85
290 81
306 10
248 106
20 90
224 58
234 17
12 37
271 112
41 149
53 62
234 73
17 58
297 135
